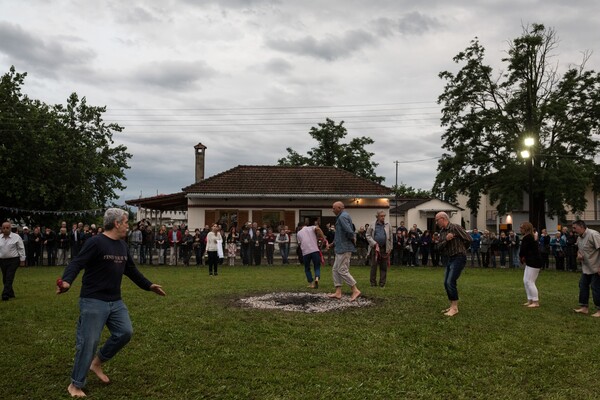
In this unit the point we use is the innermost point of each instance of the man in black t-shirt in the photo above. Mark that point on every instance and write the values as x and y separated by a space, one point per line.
106 259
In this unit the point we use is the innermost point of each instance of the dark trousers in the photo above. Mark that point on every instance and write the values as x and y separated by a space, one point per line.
454 268
380 263
246 253
270 251
9 268
257 254
213 262
585 282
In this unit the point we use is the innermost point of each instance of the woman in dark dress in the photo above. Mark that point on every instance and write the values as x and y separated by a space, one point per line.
530 256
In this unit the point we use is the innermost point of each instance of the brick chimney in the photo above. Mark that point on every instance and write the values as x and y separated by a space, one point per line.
199 149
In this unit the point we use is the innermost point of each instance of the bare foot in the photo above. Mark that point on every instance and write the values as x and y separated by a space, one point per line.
581 310
312 286
526 304
334 296
536 305
596 314
444 311
451 312
355 295
74 391
96 368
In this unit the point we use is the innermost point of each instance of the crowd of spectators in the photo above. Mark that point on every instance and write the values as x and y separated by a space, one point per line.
253 245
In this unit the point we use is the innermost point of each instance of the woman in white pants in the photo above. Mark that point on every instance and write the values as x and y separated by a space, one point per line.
530 256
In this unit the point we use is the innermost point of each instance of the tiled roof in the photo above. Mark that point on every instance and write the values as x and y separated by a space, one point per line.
405 204
279 180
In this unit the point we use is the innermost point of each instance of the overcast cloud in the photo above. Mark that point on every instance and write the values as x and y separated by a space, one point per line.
250 78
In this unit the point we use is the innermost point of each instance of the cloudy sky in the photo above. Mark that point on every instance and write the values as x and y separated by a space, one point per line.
248 78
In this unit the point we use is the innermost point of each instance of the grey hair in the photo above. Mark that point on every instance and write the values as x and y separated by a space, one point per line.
379 212
580 223
111 216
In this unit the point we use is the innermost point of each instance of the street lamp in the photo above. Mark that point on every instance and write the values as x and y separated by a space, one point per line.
528 154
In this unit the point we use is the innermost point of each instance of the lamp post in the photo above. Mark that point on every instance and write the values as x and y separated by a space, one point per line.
528 154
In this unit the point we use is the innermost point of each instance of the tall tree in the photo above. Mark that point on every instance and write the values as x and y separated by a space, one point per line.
331 152
487 118
55 158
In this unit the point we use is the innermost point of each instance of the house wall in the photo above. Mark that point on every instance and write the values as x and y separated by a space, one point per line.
362 211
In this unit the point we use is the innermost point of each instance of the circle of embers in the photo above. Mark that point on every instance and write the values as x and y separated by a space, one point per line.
302 302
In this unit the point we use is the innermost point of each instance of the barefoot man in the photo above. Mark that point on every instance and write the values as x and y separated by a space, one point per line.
105 259
454 242
344 245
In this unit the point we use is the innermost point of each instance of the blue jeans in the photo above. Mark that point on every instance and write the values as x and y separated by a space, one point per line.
454 268
284 250
93 315
585 282
316 259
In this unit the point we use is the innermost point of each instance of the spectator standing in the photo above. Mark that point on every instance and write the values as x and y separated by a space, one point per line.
162 242
283 241
475 247
187 241
398 248
232 241
435 253
544 244
529 255
588 253
503 242
25 236
135 241
379 236
485 248
174 237
257 246
50 246
558 244
425 247
361 247
37 243
571 250
212 243
269 244
12 254
513 247
63 242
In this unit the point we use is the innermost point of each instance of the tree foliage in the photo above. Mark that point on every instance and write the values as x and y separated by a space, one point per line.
331 152
405 191
486 118
57 157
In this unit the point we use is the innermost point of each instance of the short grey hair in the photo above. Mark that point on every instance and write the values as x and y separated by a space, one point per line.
379 212
111 216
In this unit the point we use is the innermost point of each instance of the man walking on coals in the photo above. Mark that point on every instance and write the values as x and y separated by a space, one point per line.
106 259
344 245
454 242
307 240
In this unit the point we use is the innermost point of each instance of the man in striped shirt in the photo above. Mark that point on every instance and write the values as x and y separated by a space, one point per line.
454 242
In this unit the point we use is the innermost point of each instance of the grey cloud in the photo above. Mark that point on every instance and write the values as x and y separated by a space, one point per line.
137 15
330 48
174 75
278 66
46 55
413 23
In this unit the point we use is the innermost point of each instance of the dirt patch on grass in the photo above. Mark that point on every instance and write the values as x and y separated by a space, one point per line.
302 302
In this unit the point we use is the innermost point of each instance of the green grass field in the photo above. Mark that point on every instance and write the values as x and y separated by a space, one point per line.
196 344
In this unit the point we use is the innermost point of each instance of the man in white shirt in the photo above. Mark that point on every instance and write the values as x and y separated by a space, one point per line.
12 254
